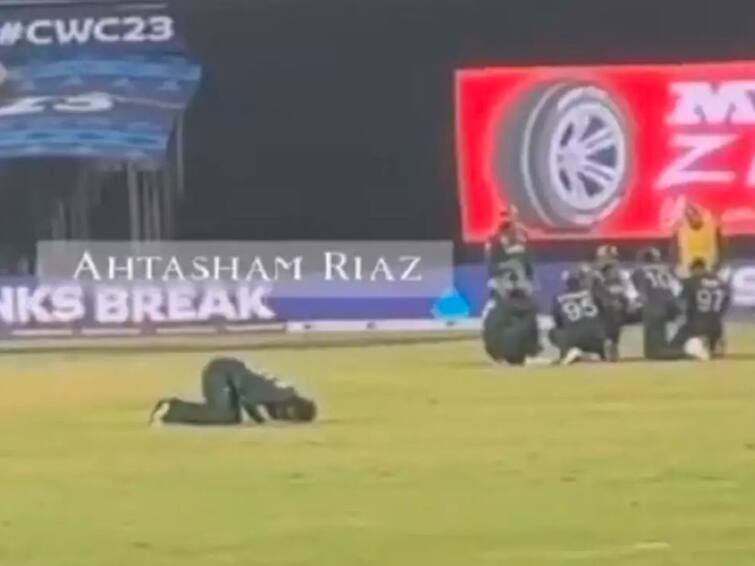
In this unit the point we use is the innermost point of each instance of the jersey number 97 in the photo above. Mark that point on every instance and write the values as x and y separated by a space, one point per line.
710 300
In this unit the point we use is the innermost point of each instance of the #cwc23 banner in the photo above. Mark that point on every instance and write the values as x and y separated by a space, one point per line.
606 152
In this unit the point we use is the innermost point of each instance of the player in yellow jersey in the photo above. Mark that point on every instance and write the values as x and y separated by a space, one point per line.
698 237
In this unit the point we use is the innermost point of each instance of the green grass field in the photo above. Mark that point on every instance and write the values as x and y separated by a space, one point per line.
425 454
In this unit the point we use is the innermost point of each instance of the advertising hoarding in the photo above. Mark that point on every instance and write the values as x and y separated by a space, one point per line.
606 152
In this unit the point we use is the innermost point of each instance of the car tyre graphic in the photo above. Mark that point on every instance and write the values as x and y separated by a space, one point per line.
564 156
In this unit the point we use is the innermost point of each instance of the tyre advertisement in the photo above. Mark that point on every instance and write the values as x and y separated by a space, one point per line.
606 152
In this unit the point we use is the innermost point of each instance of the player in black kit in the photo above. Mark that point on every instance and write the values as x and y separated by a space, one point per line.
658 290
705 298
611 290
615 290
579 321
230 389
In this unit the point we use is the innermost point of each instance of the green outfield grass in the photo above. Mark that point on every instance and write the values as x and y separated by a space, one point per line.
425 454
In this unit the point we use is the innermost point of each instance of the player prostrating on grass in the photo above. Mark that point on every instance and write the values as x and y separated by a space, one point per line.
579 321
230 389
510 330
705 298
659 289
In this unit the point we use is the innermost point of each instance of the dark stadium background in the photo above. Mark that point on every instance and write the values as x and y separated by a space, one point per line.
339 120
333 119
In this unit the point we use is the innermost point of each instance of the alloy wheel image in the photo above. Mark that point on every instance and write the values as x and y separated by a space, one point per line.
564 156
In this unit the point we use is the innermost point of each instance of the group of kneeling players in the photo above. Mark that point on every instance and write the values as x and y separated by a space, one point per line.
681 318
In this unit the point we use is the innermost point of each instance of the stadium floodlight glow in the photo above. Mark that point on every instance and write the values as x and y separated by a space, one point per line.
606 152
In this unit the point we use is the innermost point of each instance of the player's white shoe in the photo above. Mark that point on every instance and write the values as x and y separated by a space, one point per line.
158 413
695 348
571 357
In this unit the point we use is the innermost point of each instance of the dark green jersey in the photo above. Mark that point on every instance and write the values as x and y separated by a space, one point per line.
510 330
228 387
508 250
504 312
253 387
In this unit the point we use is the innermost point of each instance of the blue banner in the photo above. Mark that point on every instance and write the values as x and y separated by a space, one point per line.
144 307
28 306
83 83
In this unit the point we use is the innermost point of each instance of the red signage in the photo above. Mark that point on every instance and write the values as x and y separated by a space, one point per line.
606 152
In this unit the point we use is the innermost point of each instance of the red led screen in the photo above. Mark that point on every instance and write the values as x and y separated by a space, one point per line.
606 152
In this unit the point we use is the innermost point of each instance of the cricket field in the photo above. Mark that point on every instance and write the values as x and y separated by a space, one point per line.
424 454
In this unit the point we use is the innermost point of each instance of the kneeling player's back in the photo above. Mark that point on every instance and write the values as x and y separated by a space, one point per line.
576 309
658 289
706 298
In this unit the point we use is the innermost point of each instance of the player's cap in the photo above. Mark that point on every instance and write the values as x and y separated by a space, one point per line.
573 279
583 269
607 252
649 255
